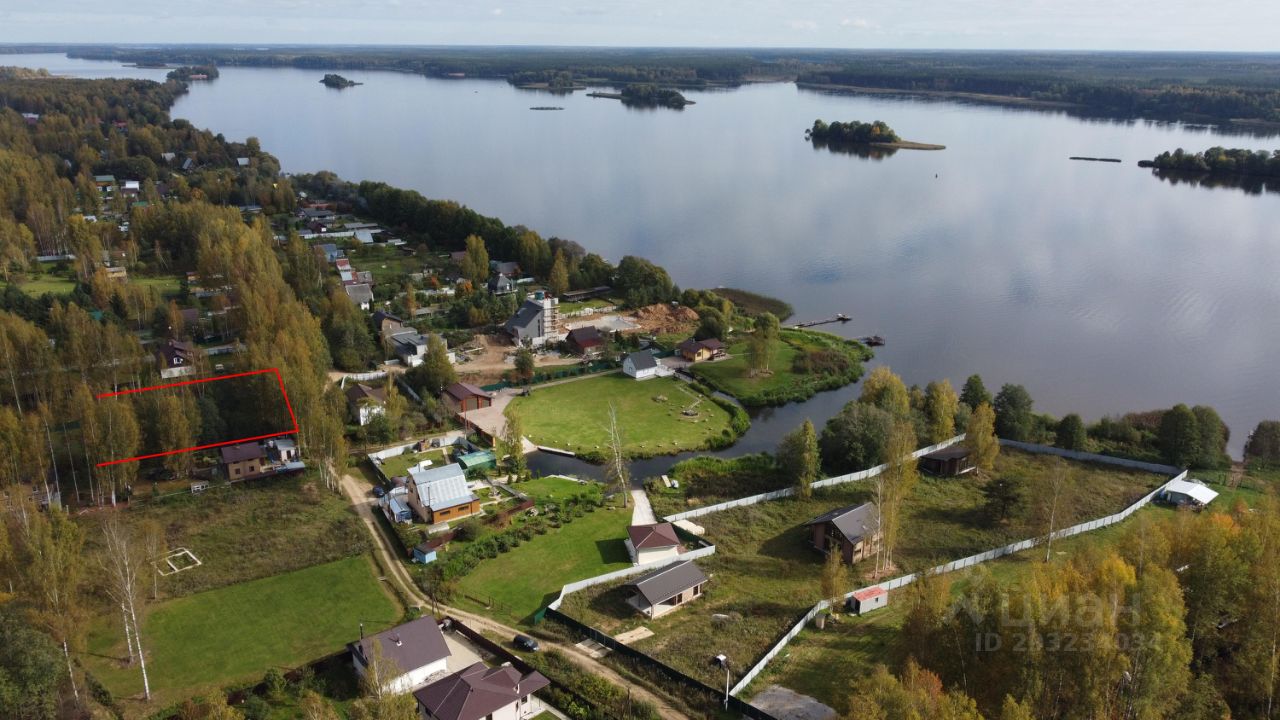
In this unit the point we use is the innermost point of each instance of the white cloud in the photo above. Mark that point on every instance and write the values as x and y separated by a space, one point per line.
495 12
805 25
858 23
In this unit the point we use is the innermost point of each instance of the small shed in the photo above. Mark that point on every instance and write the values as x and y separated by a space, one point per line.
868 599
1190 493
424 553
199 487
948 462
396 510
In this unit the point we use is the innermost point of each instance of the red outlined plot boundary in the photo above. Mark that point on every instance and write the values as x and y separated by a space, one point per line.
279 379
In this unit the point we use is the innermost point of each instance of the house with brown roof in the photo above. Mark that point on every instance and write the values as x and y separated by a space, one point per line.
853 531
948 462
417 649
651 543
244 461
462 397
699 350
479 692
366 402
584 340
176 358
657 593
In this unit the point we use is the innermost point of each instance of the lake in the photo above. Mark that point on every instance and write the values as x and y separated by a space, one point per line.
1098 286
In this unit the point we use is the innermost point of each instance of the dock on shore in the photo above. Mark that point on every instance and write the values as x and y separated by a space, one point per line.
837 318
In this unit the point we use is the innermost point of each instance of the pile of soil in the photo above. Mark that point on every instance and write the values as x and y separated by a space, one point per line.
666 319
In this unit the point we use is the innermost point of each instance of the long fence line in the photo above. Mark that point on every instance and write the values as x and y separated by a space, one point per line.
972 560
574 587
788 492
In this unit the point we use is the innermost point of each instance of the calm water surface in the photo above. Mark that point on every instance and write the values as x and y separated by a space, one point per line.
1099 287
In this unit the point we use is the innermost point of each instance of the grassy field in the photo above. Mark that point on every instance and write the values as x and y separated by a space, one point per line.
250 530
526 578
400 464
781 384
52 284
575 415
166 285
386 262
235 634
595 303
764 574
553 489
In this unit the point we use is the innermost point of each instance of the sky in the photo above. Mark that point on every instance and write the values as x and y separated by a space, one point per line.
1233 25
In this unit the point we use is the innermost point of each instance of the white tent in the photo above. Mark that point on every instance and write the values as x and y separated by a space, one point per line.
1184 492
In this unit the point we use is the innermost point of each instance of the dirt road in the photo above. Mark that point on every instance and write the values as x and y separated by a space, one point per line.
357 493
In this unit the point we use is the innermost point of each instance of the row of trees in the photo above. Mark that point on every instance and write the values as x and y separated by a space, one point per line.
1220 160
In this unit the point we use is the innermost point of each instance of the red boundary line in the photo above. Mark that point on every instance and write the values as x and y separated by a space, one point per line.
279 378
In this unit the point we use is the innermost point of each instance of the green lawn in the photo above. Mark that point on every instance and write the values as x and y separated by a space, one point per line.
571 307
249 530
52 284
523 580
554 489
780 383
235 634
400 464
575 415
166 285
764 574
387 263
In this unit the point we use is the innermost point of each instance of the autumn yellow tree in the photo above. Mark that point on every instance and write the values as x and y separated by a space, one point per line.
980 438
886 391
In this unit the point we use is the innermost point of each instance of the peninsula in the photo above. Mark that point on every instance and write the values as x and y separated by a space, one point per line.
647 95
1219 161
875 134
335 80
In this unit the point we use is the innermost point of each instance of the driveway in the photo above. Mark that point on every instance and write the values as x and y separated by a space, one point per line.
360 497
642 511
787 704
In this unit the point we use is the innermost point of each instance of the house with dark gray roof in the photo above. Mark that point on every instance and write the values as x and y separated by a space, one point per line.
640 365
657 593
501 284
176 358
366 402
360 294
536 321
417 649
854 531
478 692
948 462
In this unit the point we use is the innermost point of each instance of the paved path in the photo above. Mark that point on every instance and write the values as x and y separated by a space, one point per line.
359 495
642 514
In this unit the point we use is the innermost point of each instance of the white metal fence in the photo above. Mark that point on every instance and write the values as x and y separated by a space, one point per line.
788 492
1091 457
962 563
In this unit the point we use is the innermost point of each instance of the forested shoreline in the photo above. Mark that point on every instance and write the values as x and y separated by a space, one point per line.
1219 161
1190 87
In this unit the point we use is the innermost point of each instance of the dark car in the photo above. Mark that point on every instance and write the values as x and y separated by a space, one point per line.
378 491
526 643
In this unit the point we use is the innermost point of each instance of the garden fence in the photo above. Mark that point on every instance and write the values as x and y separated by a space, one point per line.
954 565
788 492
1091 457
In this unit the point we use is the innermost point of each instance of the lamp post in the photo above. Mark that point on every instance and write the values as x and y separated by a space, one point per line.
723 661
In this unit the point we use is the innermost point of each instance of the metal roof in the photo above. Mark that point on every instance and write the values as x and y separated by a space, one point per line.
441 487
643 360
855 522
413 645
657 535
243 451
667 582
478 691
1193 489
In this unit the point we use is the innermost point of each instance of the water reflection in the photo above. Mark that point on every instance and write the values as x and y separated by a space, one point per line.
1251 184
862 150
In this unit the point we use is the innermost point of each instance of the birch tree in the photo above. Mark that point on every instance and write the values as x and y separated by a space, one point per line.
123 569
899 480
617 472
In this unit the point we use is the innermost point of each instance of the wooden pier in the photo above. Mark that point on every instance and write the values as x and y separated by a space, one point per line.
838 318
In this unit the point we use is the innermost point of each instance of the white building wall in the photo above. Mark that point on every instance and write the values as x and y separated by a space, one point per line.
656 554
412 680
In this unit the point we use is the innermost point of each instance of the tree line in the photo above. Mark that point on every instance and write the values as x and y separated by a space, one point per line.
853 131
1219 161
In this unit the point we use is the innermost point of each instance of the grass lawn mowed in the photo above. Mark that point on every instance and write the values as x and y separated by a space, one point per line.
524 579
399 465
781 382
765 574
555 489
575 415
52 284
237 633
249 530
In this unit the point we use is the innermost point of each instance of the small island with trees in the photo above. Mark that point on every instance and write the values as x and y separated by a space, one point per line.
1219 161
334 80
877 134
647 95
188 73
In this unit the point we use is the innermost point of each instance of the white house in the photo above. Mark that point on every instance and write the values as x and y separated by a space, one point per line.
366 402
640 365
479 692
1187 492
417 648
650 543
